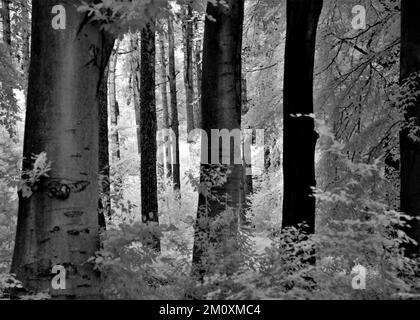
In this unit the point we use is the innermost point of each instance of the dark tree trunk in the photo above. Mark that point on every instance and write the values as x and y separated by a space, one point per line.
188 66
58 224
221 109
409 147
103 169
104 206
148 131
176 175
299 136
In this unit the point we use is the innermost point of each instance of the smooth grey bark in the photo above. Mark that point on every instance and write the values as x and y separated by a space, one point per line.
58 224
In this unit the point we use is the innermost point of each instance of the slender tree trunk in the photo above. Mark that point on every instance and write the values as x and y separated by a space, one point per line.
165 105
176 176
115 113
148 131
409 147
58 224
114 106
215 248
299 137
135 81
188 66
197 62
247 146
104 204
246 156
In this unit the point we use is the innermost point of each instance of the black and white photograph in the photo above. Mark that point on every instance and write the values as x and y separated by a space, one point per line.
227 151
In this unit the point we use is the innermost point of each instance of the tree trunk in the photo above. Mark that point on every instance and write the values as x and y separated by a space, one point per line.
176 176
58 224
135 81
188 66
148 131
221 109
104 204
299 137
197 62
246 156
104 169
114 106
409 147
165 105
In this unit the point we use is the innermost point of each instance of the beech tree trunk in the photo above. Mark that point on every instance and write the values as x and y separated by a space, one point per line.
188 66
221 109
176 175
409 147
58 224
299 136
148 131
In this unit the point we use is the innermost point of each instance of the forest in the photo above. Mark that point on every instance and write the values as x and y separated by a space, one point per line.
210 150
